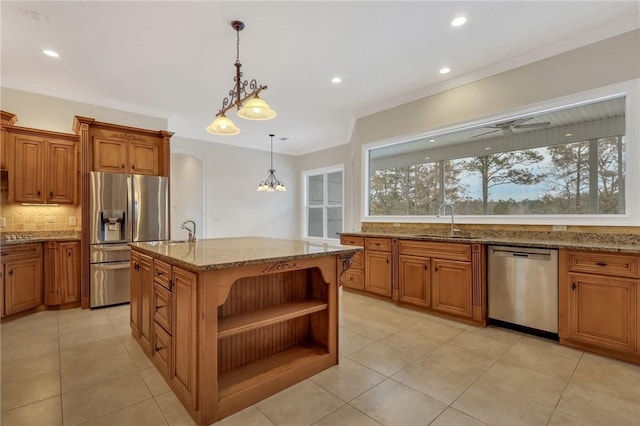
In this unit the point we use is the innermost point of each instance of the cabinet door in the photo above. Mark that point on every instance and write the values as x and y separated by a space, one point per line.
69 255
354 278
109 155
61 176
378 273
29 170
161 350
4 143
143 157
414 280
52 275
146 310
134 288
602 311
23 285
162 306
185 332
452 287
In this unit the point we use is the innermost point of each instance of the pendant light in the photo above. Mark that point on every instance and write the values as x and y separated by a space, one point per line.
271 183
248 104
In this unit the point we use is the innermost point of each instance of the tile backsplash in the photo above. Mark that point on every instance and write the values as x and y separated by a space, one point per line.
39 218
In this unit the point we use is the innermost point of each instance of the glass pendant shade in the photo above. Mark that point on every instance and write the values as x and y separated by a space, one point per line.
256 109
223 126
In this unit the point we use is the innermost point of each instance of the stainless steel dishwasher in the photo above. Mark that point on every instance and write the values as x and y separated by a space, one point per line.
523 288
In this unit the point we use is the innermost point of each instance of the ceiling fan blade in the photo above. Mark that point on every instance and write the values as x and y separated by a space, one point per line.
532 125
486 133
508 131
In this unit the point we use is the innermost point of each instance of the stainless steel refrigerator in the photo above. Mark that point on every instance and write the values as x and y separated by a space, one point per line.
124 208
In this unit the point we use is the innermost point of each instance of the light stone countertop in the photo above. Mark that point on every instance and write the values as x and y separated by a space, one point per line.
593 245
220 253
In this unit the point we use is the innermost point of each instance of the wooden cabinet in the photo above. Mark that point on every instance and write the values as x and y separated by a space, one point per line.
354 277
185 334
21 270
414 280
452 287
141 285
598 303
439 276
6 119
126 156
110 155
162 307
62 273
45 167
378 266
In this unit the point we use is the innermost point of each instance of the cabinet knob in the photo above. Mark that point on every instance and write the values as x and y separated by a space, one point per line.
69 253
436 269
170 285
38 192
51 194
122 167
601 263
133 167
0 274
10 272
573 285
426 268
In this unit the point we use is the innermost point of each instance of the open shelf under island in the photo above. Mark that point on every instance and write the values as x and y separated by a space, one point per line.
231 321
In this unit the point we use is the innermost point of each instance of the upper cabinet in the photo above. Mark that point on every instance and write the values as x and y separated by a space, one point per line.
120 149
6 119
43 166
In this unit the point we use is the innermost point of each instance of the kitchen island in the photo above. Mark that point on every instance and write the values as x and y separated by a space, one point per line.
231 321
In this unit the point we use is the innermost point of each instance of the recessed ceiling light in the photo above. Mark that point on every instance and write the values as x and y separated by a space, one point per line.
569 134
336 80
427 158
460 20
432 140
51 53
487 148
37 16
445 70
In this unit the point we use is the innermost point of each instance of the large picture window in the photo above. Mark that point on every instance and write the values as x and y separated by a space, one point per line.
324 200
566 161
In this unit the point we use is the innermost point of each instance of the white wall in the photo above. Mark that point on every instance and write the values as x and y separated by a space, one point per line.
55 114
232 205
187 194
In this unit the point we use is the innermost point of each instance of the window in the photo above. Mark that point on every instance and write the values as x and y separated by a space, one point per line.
562 162
324 199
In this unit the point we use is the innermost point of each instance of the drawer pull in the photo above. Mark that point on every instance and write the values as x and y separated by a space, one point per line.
10 272
159 272
601 263
170 285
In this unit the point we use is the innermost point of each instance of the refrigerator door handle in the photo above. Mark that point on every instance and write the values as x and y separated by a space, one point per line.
130 206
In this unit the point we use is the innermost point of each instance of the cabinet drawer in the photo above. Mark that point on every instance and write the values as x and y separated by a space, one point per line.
26 250
161 354
378 244
449 251
162 306
352 241
354 279
618 265
161 273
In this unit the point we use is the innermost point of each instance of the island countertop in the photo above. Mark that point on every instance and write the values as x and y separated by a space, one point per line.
220 253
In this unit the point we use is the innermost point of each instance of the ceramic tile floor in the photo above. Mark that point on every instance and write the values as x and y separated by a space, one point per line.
397 367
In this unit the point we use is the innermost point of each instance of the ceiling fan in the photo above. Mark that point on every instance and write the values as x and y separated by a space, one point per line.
508 126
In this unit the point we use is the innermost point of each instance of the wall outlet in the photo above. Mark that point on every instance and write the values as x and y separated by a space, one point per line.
3 222
50 219
559 227
72 220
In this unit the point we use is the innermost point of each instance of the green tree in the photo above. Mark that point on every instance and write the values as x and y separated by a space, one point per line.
570 174
503 168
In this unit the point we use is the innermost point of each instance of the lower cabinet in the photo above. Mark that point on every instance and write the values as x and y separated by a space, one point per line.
185 333
21 272
141 285
414 278
598 303
452 287
378 273
62 278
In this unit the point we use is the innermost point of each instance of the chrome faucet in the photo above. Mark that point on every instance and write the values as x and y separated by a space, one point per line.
192 232
443 210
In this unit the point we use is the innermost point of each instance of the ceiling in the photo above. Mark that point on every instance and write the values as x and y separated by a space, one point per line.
174 59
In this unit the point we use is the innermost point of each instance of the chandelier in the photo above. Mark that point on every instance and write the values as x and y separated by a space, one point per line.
253 109
271 183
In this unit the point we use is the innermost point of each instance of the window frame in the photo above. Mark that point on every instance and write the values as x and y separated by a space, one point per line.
305 199
629 89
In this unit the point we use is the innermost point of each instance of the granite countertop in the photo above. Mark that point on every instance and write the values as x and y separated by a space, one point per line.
220 253
15 238
519 242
